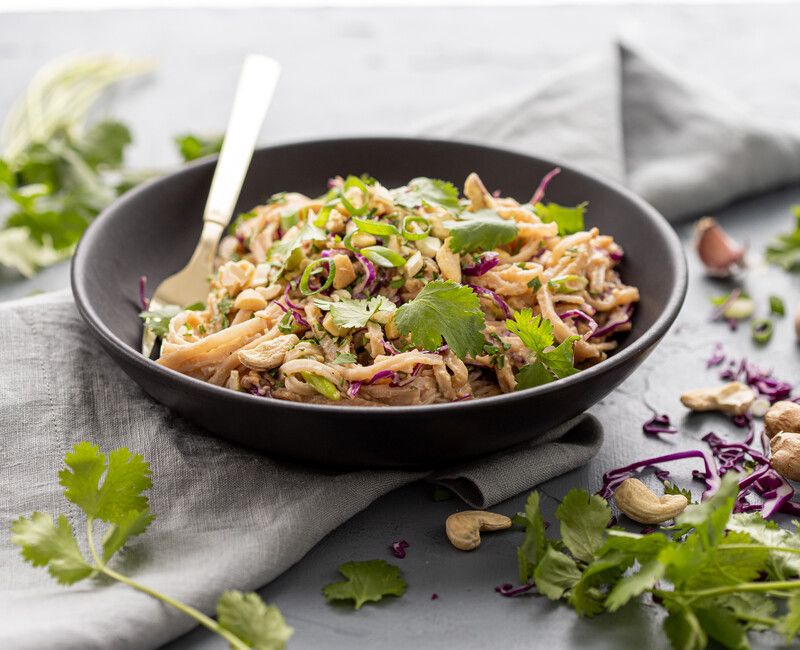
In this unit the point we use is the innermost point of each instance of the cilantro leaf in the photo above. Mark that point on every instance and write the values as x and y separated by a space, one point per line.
192 146
781 566
444 310
260 626
535 332
790 624
53 545
532 375
672 488
127 475
684 630
637 583
785 249
583 520
569 220
481 230
104 144
157 320
643 548
560 359
723 627
282 250
344 358
351 313
532 549
132 523
555 574
366 581
427 191
588 596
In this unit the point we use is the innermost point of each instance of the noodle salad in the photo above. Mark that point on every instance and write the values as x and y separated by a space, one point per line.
415 295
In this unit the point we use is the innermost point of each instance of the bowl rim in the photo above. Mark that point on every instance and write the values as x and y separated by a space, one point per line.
656 331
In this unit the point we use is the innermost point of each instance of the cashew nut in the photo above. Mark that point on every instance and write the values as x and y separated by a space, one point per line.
345 273
333 328
734 398
782 416
464 528
786 454
251 300
269 354
476 192
449 262
641 504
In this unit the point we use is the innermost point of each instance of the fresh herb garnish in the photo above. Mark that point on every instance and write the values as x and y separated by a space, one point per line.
224 307
481 230
367 581
344 358
379 228
157 320
569 220
109 490
549 363
383 256
444 310
192 146
349 313
785 249
427 191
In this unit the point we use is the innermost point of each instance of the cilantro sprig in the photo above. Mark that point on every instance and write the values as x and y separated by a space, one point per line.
785 249
427 191
726 575
549 361
568 220
444 310
481 230
110 491
349 313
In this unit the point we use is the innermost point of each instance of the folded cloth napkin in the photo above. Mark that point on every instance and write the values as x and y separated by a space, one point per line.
674 140
226 518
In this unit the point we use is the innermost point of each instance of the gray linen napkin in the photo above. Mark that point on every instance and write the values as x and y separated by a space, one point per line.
226 518
684 146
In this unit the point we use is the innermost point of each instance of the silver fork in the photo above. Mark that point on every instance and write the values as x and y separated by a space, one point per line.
254 93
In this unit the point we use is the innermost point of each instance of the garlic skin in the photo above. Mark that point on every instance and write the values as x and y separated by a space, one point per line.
720 254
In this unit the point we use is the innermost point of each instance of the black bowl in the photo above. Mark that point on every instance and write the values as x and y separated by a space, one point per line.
153 229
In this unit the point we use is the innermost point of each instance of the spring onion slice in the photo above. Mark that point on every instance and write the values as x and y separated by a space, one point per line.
310 269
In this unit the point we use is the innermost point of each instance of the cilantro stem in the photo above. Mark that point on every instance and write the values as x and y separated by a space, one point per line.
762 620
781 549
786 585
197 615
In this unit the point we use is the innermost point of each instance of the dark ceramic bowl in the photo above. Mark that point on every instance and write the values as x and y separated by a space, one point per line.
153 229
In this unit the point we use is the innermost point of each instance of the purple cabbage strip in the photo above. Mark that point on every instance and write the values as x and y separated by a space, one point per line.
758 379
367 282
538 195
510 591
577 314
399 548
298 318
613 477
616 256
483 264
662 475
353 389
494 296
259 392
389 348
717 356
658 424
381 375
143 301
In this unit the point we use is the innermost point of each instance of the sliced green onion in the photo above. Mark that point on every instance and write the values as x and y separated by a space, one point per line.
762 330
324 213
286 324
383 256
354 181
535 284
568 283
776 306
289 219
414 235
323 386
375 227
740 309
311 269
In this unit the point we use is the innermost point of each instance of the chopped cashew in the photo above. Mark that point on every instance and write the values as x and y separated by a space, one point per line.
269 354
362 240
782 416
428 246
734 398
449 262
641 504
251 300
270 292
464 528
345 273
786 455
413 265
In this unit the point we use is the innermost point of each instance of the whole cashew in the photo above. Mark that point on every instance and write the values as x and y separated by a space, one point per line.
641 504
463 528
782 416
734 398
786 454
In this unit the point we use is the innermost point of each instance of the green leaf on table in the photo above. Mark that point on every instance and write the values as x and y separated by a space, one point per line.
259 625
192 146
555 574
584 519
427 191
710 518
482 230
684 630
589 595
45 543
785 249
642 548
635 584
367 581
532 549
790 623
103 144
127 475
723 627
781 566
444 310
569 220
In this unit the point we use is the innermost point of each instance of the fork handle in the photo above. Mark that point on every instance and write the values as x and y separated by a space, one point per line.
254 93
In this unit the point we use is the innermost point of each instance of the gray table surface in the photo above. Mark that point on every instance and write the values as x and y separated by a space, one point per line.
382 55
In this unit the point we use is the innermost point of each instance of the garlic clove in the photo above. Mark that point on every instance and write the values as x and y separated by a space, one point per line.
717 251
